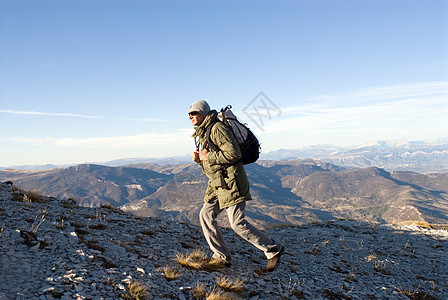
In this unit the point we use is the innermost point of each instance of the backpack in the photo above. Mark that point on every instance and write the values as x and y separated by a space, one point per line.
248 143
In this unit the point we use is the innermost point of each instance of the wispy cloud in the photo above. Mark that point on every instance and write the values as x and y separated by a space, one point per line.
38 113
115 142
410 111
142 119
370 96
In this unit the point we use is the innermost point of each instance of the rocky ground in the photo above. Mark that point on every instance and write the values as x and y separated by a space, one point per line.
58 250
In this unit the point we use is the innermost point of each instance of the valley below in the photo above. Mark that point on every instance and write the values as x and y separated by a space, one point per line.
286 192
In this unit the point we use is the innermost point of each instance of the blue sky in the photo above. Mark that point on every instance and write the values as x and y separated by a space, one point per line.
91 81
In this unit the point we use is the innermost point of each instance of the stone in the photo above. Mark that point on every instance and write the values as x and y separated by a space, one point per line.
88 263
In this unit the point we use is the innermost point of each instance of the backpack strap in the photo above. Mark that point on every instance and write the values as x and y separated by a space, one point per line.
209 145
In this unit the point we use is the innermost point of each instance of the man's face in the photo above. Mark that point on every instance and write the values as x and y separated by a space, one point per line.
196 118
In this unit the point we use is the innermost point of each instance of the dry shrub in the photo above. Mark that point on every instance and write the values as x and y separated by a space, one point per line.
230 285
199 291
219 295
137 291
170 273
196 260
34 196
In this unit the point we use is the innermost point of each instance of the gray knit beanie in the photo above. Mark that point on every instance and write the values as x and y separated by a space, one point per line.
201 107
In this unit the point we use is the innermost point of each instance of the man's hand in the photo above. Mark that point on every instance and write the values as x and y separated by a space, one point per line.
195 156
203 154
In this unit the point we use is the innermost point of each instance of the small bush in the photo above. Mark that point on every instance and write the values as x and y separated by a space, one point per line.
230 285
198 260
219 295
195 260
199 291
23 196
34 196
170 273
137 291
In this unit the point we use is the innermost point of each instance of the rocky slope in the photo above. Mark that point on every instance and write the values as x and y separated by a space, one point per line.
54 249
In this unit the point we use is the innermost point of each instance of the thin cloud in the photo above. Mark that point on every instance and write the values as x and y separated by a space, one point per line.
382 94
401 107
146 140
369 97
38 113
141 119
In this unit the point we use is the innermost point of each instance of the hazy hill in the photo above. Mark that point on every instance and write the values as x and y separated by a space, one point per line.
372 194
292 192
391 155
91 185
402 155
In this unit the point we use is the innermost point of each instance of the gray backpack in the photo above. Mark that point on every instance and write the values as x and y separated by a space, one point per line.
247 141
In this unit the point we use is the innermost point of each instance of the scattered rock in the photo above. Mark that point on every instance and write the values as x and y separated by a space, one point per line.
98 253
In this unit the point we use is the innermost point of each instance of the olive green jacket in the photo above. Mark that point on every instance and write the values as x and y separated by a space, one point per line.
228 183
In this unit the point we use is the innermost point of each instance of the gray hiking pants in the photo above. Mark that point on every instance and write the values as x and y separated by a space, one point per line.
209 213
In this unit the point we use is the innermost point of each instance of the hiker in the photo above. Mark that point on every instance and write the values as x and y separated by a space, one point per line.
228 187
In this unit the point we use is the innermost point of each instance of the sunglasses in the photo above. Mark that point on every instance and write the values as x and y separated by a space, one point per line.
193 113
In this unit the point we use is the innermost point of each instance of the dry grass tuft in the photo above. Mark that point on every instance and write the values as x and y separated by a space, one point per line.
198 260
230 285
380 266
199 291
34 196
372 256
30 196
313 251
219 295
416 295
137 291
225 284
195 260
170 273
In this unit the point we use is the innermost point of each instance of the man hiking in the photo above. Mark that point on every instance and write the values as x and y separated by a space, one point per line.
228 187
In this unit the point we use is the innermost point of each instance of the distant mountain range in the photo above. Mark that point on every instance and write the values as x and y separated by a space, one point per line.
394 155
299 191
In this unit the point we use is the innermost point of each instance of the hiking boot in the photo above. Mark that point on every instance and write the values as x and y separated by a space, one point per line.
219 262
274 261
